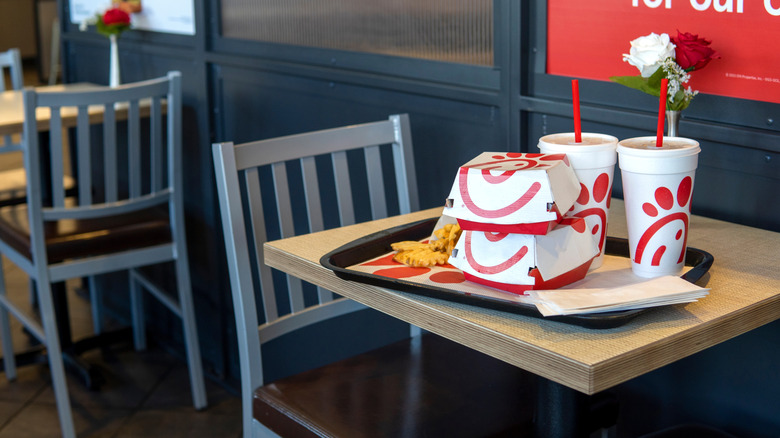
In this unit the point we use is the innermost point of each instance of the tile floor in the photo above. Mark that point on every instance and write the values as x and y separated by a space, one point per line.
146 394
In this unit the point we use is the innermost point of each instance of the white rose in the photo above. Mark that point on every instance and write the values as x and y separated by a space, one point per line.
648 52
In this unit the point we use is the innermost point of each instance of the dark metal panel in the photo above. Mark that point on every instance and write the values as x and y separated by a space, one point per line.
254 105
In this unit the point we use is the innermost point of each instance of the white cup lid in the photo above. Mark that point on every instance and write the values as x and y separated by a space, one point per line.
645 147
605 142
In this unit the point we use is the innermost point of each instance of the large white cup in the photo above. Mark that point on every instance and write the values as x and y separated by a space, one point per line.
657 189
593 161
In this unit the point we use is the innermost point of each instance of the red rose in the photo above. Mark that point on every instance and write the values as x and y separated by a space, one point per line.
116 16
693 52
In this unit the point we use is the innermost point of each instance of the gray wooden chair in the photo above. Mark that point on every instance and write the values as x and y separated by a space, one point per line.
340 398
129 216
11 61
13 179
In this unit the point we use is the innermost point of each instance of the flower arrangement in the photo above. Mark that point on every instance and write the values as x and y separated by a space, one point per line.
113 21
658 57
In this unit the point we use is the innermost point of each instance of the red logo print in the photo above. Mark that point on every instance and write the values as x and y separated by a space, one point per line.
500 212
602 189
497 169
495 269
385 266
665 199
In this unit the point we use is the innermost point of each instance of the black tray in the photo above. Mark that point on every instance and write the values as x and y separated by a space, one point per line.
377 244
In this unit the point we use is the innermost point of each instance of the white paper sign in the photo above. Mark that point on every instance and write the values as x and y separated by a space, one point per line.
169 16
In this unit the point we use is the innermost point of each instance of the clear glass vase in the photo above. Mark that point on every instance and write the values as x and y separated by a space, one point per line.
113 72
672 123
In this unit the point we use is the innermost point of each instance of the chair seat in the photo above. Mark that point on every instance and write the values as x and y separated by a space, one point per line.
424 386
70 239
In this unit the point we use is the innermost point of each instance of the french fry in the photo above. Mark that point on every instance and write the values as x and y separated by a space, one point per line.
436 252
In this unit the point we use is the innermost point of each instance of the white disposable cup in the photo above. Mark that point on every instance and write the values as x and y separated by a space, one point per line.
657 189
593 161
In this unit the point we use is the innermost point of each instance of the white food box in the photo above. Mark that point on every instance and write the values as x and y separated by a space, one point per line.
513 192
520 262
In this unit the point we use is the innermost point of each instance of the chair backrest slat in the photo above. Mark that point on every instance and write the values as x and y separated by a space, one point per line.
156 149
257 220
83 156
110 171
287 227
403 163
376 182
343 188
56 158
311 191
134 149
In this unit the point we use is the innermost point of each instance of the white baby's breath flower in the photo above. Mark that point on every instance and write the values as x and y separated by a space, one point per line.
87 22
677 77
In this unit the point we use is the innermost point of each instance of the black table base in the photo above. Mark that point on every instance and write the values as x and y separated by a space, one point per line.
562 412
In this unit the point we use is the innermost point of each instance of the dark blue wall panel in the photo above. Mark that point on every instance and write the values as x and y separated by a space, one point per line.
241 91
446 133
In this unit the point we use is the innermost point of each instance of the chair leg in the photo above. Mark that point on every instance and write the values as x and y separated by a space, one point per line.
137 312
9 360
33 295
96 300
259 430
54 353
190 331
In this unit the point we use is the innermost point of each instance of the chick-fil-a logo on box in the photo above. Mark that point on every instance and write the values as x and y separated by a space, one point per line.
588 40
496 172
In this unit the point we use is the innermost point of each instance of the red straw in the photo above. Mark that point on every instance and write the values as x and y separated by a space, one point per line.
575 92
659 138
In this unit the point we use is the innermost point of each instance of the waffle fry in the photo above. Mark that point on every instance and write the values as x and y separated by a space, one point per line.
436 252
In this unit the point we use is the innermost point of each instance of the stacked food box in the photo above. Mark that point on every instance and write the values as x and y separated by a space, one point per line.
511 207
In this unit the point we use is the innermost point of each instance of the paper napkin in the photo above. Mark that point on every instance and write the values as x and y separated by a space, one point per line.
659 291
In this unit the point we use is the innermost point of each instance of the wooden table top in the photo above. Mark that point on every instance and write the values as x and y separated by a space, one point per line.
745 294
12 109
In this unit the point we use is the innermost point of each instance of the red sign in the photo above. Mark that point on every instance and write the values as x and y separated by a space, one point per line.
586 39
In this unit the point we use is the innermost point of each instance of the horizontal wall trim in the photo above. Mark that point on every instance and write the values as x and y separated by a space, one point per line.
338 74
135 46
736 135
471 76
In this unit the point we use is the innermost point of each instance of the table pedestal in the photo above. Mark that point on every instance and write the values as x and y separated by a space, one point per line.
562 412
